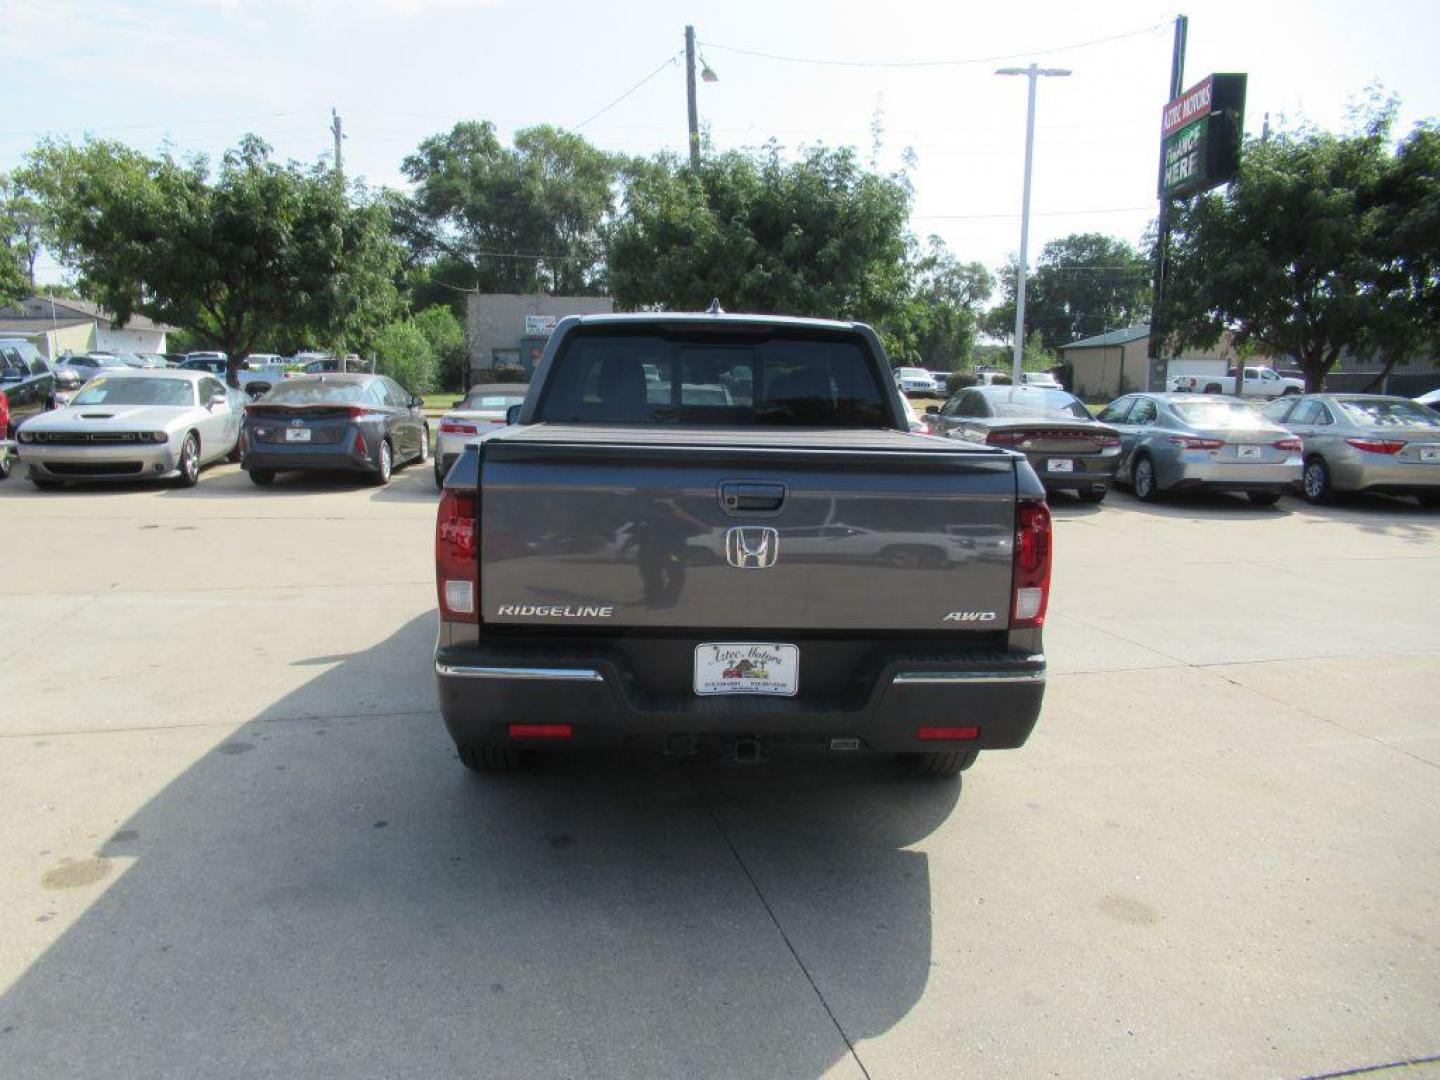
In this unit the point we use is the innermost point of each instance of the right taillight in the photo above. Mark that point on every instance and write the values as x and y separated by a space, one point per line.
1377 446
455 427
1032 565
1006 438
4 414
1187 442
456 557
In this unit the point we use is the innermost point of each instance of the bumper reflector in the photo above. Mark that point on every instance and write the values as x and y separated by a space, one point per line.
541 731
948 733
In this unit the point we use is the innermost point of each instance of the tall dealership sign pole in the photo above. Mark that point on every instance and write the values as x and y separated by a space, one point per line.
1034 73
1156 378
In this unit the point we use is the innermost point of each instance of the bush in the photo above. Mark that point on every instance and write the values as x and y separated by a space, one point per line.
404 353
959 380
483 376
447 342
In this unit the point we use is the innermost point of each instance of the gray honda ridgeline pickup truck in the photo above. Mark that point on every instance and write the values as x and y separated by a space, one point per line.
718 530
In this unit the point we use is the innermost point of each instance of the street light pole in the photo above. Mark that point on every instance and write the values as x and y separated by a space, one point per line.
1034 73
694 116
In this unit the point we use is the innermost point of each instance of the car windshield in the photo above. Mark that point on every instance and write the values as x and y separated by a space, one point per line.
736 378
316 392
1383 413
1218 414
106 390
1020 403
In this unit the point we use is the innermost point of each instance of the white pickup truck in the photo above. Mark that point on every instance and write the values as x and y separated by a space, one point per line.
1260 382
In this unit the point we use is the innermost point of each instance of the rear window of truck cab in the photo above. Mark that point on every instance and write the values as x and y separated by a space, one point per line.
714 379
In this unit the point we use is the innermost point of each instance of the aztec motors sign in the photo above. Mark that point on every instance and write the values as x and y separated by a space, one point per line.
1200 132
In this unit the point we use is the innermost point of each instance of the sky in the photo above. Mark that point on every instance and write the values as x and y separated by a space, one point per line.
196 75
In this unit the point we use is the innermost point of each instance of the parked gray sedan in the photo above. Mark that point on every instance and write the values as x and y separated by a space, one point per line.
1364 442
1065 446
1173 442
355 423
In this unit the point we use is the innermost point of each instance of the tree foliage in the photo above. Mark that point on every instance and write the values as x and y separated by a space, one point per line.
446 338
260 253
1083 284
938 323
1324 243
817 236
501 219
19 240
403 352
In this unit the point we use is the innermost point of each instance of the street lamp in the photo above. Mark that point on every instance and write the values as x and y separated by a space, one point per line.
1033 72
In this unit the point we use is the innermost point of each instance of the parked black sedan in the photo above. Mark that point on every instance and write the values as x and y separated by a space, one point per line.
1068 449
351 423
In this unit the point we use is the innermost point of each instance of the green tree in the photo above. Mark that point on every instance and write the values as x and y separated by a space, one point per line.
404 353
500 219
260 252
19 240
446 338
817 236
1323 244
1083 284
939 322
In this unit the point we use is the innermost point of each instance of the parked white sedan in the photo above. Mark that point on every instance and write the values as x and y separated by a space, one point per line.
481 412
134 424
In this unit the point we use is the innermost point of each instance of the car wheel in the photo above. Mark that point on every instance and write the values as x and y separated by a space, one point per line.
1316 480
5 466
439 475
189 462
383 472
1290 391
1142 478
1092 496
424 444
1263 498
489 758
262 477
941 762
234 456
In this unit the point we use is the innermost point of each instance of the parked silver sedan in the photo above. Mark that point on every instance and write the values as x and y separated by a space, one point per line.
134 424
1364 442
481 412
1174 442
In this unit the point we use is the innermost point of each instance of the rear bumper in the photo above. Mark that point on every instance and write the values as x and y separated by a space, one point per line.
482 692
321 457
1087 471
1385 475
1231 476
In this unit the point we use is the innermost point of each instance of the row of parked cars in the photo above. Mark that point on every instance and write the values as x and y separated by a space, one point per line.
167 424
1158 443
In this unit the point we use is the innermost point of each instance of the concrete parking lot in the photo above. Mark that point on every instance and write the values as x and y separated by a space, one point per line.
235 841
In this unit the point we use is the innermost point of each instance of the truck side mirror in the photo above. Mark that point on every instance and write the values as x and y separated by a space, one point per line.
512 414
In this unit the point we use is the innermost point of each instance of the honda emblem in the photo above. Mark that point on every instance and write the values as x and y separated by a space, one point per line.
752 547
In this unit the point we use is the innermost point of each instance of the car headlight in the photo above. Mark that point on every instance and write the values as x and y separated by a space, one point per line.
27 436
157 436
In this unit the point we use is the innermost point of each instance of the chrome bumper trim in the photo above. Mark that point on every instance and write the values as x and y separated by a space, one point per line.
467 671
942 678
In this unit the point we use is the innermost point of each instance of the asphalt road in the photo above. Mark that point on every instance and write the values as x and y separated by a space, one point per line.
234 840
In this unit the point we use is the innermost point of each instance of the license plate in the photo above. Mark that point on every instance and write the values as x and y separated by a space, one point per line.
297 434
1430 453
1062 464
747 668
1248 451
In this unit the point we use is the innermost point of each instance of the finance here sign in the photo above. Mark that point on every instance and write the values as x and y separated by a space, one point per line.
1200 135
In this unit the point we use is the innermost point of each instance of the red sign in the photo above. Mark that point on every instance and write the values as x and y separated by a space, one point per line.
1188 107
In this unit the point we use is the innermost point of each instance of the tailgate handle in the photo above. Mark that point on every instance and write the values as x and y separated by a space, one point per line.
743 496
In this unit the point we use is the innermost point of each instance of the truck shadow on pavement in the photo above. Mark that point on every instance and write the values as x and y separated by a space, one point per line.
322 895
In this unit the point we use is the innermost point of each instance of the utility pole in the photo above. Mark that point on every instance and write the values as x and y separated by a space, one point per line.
336 131
1156 375
690 97
1034 73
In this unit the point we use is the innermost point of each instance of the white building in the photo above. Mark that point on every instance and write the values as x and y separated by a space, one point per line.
57 326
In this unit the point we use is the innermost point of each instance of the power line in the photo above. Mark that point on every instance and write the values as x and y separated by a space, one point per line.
671 59
933 63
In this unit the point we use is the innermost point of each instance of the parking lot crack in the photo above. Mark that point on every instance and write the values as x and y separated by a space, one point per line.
779 928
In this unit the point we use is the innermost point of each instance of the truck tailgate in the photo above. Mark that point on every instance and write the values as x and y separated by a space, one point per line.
841 530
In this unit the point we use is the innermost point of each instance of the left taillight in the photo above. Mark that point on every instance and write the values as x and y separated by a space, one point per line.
457 568
1289 444
4 414
1032 565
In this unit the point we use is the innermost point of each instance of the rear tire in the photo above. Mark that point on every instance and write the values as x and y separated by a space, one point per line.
1316 482
439 475
5 466
1142 479
941 762
1263 498
262 477
424 444
381 476
1092 496
490 759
